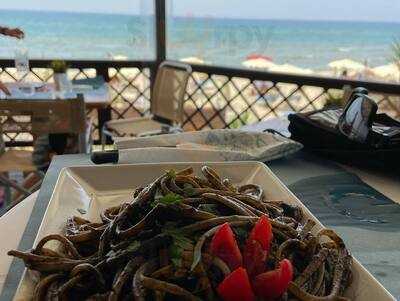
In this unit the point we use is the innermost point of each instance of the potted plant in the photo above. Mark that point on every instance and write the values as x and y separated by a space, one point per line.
60 75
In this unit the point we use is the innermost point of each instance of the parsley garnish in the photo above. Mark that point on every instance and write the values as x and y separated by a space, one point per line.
188 189
171 174
179 244
169 199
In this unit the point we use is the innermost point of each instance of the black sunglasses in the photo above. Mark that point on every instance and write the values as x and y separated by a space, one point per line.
357 123
357 118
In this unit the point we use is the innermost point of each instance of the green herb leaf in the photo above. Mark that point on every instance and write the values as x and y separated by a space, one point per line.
171 174
169 199
179 239
179 244
188 189
174 251
177 262
175 254
133 246
211 208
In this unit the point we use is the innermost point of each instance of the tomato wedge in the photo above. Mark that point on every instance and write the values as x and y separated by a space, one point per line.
270 285
262 232
224 246
236 287
257 247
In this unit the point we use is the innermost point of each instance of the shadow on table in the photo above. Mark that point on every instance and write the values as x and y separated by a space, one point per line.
343 199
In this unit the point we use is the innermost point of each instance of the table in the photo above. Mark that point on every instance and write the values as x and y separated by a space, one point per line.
375 245
95 92
22 212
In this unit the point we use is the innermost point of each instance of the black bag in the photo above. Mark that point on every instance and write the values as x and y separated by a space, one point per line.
321 132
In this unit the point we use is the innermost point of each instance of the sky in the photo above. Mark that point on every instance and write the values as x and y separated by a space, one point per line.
349 10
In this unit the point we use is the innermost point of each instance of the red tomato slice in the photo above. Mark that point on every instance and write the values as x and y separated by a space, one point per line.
224 246
257 247
262 232
236 287
270 285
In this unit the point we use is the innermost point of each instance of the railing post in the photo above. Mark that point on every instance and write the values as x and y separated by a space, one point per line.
161 30
103 71
160 35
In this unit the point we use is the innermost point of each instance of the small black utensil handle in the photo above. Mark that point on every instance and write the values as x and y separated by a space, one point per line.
105 157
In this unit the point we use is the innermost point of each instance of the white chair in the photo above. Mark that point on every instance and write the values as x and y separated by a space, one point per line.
166 109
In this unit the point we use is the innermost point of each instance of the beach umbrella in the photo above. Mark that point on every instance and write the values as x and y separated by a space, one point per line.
258 63
255 56
193 60
347 64
287 68
390 71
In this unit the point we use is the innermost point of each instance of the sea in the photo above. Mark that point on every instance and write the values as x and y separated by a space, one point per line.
227 42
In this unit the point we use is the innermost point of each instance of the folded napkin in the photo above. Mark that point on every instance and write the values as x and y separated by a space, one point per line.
211 146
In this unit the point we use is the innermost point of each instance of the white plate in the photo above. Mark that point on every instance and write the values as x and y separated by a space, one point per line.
93 188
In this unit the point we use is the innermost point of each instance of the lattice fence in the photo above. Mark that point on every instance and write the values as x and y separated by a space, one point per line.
130 92
219 101
129 89
214 99
389 104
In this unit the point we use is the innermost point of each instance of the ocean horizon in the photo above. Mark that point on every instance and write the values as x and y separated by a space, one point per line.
304 43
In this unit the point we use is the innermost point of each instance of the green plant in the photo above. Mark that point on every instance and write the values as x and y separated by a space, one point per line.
59 66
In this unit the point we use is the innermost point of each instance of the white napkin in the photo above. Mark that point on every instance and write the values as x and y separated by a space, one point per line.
211 145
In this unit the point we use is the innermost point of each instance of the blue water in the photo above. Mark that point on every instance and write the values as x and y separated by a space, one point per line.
79 36
311 44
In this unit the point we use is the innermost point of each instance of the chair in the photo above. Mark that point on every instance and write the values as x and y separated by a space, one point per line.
38 117
18 160
166 105
43 117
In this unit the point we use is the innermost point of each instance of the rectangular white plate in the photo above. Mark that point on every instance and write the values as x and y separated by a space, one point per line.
93 188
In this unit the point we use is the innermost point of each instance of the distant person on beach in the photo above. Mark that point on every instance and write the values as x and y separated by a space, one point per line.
14 33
